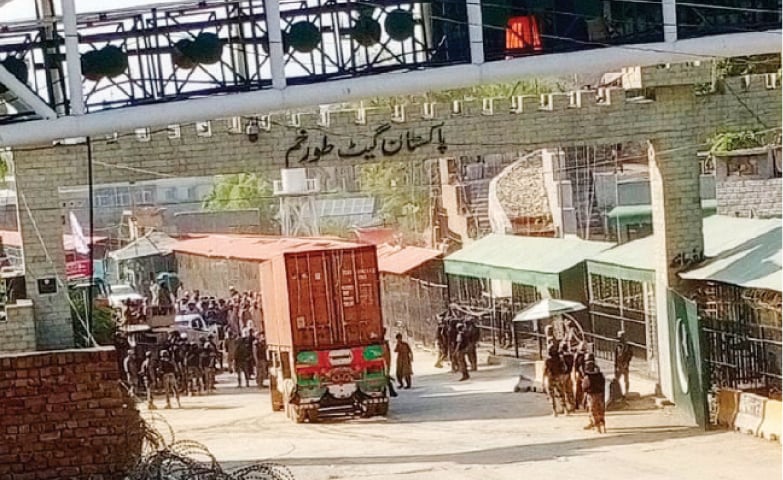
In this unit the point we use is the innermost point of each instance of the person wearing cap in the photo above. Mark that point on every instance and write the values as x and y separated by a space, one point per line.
169 373
579 374
404 362
131 369
211 350
622 361
594 385
147 373
556 377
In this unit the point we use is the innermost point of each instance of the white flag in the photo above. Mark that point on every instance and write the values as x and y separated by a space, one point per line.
79 242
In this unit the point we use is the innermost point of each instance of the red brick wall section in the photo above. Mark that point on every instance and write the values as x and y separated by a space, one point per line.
64 416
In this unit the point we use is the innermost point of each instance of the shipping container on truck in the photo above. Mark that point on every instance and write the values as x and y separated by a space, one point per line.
324 332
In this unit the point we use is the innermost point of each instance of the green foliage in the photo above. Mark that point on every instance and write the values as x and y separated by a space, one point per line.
404 206
102 324
730 141
242 191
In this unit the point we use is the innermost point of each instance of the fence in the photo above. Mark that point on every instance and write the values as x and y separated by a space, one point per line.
742 339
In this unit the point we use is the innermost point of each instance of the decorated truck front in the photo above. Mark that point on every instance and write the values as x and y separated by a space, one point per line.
322 316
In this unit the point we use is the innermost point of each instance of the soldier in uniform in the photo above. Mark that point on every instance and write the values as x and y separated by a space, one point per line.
554 375
212 356
442 339
473 335
244 360
168 371
462 346
131 369
147 373
193 370
622 360
594 385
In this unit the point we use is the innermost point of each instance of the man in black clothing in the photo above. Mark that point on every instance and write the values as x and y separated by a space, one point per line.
472 333
622 360
442 339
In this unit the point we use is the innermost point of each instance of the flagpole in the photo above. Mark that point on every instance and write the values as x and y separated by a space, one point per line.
92 235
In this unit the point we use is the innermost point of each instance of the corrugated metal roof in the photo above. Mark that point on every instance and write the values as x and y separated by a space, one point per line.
155 243
399 260
526 260
751 259
722 234
254 248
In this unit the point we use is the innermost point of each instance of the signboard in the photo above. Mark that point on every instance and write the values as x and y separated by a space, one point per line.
689 394
78 269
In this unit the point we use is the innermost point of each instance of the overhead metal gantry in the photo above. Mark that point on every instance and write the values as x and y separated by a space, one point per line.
99 73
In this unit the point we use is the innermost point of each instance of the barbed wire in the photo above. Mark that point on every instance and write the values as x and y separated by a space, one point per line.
163 456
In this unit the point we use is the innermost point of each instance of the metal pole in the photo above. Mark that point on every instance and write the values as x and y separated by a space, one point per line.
72 58
475 32
275 35
92 228
669 20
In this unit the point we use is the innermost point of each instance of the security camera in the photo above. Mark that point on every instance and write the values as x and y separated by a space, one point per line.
252 131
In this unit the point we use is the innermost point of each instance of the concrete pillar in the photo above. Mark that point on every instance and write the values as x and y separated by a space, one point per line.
677 229
40 225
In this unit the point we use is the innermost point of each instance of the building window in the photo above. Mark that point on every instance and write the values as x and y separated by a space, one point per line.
144 195
633 295
104 198
123 197
605 290
171 194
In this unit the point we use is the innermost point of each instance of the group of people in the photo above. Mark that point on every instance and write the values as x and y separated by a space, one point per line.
574 380
179 366
457 342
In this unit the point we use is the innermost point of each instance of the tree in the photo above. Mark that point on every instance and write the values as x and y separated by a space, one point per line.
402 203
243 191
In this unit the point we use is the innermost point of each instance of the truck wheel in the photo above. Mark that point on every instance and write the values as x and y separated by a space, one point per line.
299 414
312 415
275 395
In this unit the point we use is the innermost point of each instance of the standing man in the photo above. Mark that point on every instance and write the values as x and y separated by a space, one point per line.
212 357
404 362
242 362
622 361
579 375
554 374
193 370
131 368
231 349
442 338
594 385
462 347
473 335
147 372
387 364
169 372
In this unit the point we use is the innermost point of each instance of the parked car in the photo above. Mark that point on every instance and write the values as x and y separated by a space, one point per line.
122 292
194 326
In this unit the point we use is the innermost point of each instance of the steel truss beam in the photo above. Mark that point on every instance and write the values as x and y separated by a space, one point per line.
404 83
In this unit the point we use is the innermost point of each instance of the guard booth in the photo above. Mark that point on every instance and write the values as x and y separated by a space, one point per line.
498 276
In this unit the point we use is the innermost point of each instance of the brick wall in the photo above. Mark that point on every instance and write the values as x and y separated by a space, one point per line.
62 416
17 332
746 198
529 122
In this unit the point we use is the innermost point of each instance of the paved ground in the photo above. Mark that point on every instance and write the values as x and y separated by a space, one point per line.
444 429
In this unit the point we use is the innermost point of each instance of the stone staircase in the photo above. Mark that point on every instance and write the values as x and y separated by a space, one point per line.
477 192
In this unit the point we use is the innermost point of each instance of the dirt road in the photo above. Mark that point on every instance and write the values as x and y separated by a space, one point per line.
477 430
